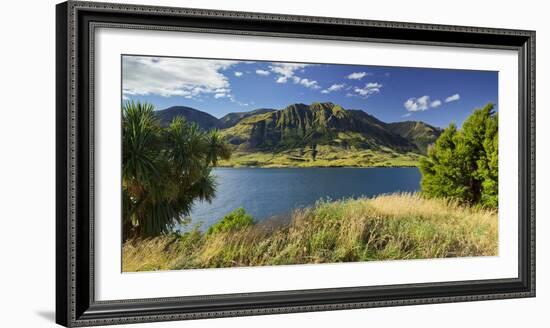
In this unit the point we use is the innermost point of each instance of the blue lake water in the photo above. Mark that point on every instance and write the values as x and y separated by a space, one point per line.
272 192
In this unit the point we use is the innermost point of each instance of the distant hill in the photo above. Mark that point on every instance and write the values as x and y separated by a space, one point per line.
419 133
205 120
202 119
301 125
319 134
233 118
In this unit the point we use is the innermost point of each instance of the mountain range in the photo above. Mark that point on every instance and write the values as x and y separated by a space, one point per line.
319 134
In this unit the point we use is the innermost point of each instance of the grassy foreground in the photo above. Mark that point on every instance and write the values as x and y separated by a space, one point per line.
388 227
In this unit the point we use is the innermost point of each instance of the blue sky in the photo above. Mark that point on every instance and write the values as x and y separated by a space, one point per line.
392 94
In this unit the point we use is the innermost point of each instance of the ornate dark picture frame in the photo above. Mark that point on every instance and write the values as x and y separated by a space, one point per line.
75 301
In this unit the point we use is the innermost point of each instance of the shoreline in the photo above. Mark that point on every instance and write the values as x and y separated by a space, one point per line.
313 167
330 157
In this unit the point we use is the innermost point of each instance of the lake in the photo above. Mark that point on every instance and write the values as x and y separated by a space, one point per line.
269 192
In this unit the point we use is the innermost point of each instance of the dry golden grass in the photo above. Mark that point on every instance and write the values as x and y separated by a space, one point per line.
397 226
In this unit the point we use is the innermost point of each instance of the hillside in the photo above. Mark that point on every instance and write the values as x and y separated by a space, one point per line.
205 120
419 133
202 119
301 125
231 119
319 134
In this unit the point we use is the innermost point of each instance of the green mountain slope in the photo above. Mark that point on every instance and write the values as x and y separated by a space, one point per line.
301 125
231 119
202 119
419 133
319 134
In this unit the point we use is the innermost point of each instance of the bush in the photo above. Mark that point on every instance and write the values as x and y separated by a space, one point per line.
463 164
235 220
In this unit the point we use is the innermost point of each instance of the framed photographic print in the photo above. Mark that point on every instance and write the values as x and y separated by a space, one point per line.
214 163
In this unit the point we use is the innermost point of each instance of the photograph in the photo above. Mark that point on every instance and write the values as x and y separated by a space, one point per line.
236 163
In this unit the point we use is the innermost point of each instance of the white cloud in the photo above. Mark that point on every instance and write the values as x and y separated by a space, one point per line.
173 76
222 90
238 74
452 98
436 103
417 104
368 90
308 83
262 72
421 104
220 95
357 75
406 114
334 87
286 70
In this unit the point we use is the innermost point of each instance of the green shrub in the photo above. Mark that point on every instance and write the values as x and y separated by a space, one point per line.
235 220
463 164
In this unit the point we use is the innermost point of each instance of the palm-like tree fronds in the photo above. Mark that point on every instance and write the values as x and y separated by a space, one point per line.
164 170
